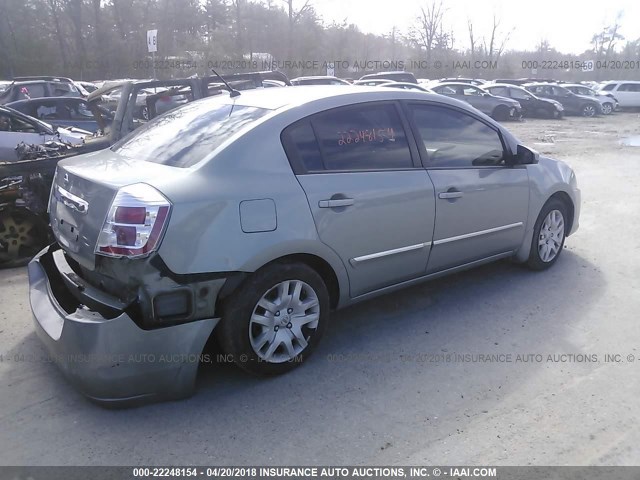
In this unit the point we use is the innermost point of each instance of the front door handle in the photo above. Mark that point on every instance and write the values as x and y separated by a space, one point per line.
336 202
451 194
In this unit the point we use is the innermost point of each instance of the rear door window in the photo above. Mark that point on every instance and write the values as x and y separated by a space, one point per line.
499 91
518 94
354 138
362 137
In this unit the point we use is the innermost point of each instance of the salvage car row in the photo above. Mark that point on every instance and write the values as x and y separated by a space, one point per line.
74 121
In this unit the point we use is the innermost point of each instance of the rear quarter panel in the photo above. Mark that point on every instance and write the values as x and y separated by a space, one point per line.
205 233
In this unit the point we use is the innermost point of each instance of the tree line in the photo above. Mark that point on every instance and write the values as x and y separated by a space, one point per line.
101 39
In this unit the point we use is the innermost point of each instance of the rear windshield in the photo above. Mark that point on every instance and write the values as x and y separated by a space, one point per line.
185 136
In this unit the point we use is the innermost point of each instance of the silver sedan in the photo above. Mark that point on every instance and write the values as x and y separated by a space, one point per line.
251 216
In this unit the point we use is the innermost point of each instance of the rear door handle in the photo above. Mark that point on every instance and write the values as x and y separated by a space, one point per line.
447 195
338 202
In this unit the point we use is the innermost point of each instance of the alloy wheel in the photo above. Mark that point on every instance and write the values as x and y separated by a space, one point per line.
19 237
283 321
551 236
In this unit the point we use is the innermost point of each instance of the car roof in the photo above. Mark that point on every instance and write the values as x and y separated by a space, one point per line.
31 82
314 77
273 99
457 84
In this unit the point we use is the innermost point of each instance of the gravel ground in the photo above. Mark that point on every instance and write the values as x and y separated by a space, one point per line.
379 390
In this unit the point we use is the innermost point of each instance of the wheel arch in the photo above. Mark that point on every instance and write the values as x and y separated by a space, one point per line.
566 199
315 262
522 253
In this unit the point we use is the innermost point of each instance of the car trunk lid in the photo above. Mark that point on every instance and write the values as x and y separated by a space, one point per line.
82 192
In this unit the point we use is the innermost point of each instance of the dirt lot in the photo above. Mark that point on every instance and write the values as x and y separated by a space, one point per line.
380 389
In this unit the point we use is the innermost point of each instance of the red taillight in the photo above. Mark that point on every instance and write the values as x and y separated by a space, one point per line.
130 215
135 222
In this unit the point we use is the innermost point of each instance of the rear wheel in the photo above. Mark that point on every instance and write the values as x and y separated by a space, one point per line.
275 319
548 235
588 110
22 235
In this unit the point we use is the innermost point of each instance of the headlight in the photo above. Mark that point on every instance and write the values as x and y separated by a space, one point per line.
573 181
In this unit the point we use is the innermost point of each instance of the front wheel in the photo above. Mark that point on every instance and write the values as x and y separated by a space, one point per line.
276 318
607 108
548 235
501 112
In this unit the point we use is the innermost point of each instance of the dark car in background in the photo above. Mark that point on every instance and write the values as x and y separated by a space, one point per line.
499 108
65 112
608 102
572 103
393 76
532 106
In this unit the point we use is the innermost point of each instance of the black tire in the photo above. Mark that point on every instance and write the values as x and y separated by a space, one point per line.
554 114
22 235
235 327
501 112
535 261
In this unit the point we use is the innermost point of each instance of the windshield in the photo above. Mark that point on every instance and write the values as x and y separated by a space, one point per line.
185 136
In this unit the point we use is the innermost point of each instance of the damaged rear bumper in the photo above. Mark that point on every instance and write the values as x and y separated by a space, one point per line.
109 358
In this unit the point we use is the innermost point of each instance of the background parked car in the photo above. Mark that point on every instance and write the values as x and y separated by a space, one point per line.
88 86
472 81
607 102
16 127
499 108
405 86
273 83
373 82
572 103
64 112
24 90
532 106
627 92
319 80
142 109
394 76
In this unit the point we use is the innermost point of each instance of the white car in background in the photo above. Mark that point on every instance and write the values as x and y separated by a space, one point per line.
627 92
16 127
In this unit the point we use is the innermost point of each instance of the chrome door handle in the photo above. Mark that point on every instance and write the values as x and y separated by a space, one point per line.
338 202
448 195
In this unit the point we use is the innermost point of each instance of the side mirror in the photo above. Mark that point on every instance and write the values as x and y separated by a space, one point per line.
525 156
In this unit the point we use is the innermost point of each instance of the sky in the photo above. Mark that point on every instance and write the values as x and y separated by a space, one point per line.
568 25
